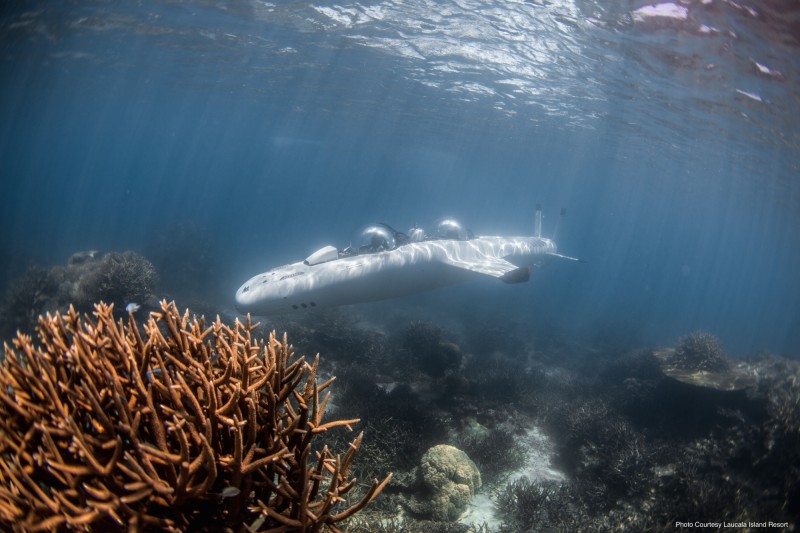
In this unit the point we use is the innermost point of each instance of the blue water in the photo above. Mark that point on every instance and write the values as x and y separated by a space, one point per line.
673 140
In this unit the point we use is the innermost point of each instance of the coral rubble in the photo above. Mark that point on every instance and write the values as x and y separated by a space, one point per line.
181 426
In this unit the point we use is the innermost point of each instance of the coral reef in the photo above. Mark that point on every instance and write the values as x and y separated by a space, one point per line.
498 378
429 349
400 426
604 454
700 351
488 335
117 278
526 505
27 298
361 524
633 439
780 434
495 452
676 449
104 428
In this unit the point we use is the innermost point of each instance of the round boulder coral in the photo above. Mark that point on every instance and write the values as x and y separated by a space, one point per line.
452 478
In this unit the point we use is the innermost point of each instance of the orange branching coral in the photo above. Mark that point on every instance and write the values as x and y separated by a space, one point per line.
182 427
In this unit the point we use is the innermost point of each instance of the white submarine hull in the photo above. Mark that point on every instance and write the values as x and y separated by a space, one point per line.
325 280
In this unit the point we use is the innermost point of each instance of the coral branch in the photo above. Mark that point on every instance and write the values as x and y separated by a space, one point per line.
104 426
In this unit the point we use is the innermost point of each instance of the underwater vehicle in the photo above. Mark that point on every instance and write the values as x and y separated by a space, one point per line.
388 264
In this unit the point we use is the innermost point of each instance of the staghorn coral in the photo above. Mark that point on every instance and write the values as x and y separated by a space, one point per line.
541 505
410 525
495 452
182 428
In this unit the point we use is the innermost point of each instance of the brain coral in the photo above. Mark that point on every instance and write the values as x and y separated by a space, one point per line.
453 479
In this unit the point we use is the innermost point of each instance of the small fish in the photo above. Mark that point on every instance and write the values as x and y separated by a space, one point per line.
132 307
230 492
83 257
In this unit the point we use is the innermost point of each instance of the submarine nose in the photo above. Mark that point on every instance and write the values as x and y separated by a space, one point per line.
243 300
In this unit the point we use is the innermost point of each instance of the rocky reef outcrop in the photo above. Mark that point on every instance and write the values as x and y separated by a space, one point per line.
88 277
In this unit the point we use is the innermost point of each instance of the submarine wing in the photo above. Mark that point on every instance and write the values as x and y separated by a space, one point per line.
488 266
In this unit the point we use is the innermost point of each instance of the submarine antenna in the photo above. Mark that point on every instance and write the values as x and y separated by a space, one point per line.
558 224
537 221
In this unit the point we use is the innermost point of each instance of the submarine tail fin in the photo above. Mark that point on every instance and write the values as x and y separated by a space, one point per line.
567 257
561 217
537 224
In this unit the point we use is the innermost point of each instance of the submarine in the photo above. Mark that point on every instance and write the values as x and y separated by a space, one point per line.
388 264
